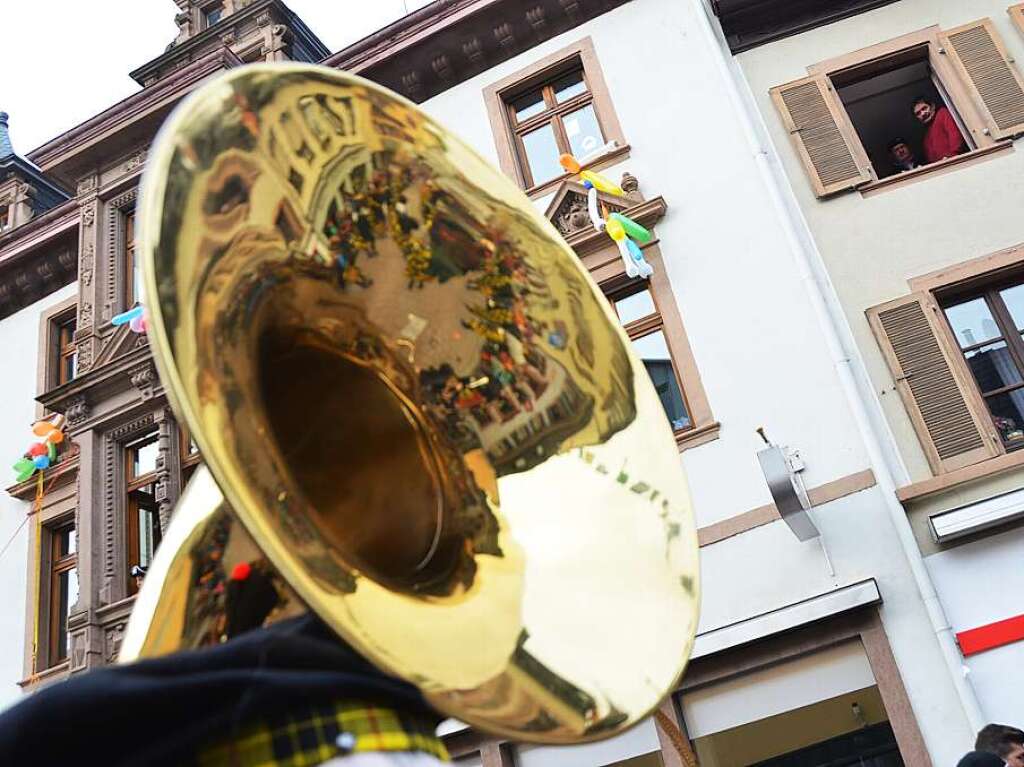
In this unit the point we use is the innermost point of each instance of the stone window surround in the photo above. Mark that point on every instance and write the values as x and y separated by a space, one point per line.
496 95
48 320
116 287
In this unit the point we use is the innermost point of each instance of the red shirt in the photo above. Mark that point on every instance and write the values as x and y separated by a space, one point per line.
942 139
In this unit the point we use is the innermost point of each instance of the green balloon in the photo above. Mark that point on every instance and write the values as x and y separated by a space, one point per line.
633 229
24 469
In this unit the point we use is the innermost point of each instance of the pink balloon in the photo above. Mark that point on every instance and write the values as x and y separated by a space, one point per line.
138 324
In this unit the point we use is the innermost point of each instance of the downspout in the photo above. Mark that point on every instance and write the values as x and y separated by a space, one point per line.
832 319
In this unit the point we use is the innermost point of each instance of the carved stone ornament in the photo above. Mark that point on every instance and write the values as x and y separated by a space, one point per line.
135 161
112 639
77 411
88 215
144 379
571 215
87 184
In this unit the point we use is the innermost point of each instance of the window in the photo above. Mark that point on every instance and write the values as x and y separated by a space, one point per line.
132 269
190 457
988 328
212 14
143 520
5 217
64 356
557 105
896 109
643 324
550 119
63 589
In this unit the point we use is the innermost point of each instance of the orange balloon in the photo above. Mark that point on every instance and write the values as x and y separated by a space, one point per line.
569 162
42 428
55 437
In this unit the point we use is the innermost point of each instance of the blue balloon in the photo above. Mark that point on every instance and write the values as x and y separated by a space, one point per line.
634 250
125 317
42 461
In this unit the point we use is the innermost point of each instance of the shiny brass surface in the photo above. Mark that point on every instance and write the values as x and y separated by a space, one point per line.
418 406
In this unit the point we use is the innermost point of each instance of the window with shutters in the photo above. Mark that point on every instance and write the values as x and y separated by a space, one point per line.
555 106
903 108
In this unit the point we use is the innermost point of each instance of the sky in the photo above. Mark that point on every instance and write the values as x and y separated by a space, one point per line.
63 61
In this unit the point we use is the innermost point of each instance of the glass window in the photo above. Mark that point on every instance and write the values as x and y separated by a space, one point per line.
142 510
132 269
5 215
987 327
63 589
653 350
65 356
551 119
583 132
542 154
635 307
213 15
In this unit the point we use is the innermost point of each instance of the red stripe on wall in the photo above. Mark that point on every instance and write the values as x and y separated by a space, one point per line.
993 635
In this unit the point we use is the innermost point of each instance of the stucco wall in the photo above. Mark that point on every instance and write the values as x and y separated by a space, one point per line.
19 340
755 337
873 245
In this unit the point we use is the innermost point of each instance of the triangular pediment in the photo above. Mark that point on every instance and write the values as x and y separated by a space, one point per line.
122 341
567 210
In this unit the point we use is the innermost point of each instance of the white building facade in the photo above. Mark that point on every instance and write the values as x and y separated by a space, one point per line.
830 648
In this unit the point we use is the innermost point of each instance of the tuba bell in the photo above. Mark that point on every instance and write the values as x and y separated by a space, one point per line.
418 415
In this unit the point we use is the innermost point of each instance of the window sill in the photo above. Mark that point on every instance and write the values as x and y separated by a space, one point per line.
610 157
935 169
700 435
60 670
942 482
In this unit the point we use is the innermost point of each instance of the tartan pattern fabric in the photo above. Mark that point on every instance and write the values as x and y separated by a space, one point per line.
308 737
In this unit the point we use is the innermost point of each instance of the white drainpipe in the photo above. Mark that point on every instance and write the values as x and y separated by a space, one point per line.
831 319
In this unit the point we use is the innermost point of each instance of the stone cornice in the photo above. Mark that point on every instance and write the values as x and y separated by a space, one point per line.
38 257
77 398
302 34
449 41
72 151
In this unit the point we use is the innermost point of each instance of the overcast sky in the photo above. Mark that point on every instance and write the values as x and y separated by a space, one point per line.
63 61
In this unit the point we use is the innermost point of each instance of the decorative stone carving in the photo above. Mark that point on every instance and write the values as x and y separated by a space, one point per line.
144 379
411 83
629 184
571 8
571 216
135 161
87 184
504 35
77 411
84 347
112 639
473 50
263 19
88 215
442 67
535 17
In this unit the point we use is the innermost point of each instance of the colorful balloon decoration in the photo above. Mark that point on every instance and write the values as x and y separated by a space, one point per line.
135 318
42 454
622 229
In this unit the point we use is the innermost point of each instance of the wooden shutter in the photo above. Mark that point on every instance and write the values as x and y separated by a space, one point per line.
981 59
932 378
1017 14
824 138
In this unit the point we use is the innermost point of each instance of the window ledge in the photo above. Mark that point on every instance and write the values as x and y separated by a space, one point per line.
935 169
942 482
60 670
610 157
698 436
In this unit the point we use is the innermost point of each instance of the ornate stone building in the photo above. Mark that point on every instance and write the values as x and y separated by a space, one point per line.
804 648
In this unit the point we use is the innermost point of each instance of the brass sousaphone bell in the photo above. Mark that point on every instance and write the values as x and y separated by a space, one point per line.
417 404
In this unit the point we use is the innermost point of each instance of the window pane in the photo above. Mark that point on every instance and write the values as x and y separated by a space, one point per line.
529 105
67 595
993 367
542 154
972 322
149 535
635 307
654 352
1014 298
144 458
569 85
583 131
1008 416
66 541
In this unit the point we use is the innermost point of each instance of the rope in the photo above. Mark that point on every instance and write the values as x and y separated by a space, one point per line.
37 508
682 745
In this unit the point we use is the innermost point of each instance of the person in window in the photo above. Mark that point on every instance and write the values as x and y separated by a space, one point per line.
1004 741
942 137
903 157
